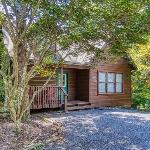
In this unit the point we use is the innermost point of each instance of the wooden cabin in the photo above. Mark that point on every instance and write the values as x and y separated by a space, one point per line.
80 86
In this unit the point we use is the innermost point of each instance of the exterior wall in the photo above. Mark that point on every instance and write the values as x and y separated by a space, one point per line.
82 90
71 83
83 84
122 99
78 83
37 81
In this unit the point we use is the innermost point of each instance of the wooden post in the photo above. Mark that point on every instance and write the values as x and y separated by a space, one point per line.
62 71
65 100
65 104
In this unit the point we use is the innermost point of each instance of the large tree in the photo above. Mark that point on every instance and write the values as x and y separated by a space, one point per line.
96 27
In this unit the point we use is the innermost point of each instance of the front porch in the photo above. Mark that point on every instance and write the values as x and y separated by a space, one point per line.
71 93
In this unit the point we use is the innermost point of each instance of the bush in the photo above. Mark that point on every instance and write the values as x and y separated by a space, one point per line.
2 95
2 91
141 92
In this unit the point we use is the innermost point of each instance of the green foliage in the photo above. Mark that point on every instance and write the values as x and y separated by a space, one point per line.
2 91
4 67
1 18
119 23
37 146
141 91
140 56
45 71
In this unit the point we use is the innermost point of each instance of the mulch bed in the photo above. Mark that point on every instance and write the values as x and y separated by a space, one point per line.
36 132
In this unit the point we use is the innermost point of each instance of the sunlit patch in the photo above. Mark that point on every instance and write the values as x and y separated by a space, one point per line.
123 115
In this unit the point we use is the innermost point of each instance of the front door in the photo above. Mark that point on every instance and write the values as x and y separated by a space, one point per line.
65 81
65 85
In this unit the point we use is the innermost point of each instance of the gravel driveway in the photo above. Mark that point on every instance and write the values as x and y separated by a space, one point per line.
106 129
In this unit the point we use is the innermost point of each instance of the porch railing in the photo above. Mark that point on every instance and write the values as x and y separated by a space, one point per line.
49 97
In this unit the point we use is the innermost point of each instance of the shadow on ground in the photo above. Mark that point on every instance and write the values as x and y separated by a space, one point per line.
108 129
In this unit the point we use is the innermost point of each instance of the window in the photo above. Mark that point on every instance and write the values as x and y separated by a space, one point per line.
102 82
110 82
119 83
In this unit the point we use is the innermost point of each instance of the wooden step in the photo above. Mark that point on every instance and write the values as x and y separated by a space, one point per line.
78 105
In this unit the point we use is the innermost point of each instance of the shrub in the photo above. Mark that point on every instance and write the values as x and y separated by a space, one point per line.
2 95
2 91
141 91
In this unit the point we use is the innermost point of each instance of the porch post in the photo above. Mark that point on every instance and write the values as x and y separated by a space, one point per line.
62 71
65 96
65 104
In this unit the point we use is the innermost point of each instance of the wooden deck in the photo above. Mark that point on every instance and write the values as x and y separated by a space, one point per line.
54 97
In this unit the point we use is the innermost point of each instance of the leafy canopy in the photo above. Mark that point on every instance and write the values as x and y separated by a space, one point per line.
140 55
119 24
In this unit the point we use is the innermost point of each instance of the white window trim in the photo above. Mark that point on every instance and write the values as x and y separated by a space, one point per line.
106 83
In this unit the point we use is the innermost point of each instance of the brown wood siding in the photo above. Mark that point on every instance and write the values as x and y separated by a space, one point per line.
71 83
82 91
38 80
116 99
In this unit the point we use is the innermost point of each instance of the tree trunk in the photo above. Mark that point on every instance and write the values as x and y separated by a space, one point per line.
17 126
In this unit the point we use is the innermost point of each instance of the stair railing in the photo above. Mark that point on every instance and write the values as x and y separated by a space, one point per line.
49 97
65 98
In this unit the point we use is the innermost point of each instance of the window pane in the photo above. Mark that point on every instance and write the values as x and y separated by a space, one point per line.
119 78
102 88
119 87
111 77
102 77
110 88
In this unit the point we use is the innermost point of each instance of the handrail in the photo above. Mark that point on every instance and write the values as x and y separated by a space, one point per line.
66 98
49 96
65 93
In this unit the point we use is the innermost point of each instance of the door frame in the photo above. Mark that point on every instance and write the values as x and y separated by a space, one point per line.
65 81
